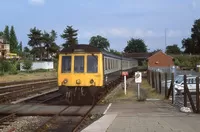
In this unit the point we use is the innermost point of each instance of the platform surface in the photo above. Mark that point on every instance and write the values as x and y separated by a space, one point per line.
149 116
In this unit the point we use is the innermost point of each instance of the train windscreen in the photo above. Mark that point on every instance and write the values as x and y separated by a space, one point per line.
66 64
79 64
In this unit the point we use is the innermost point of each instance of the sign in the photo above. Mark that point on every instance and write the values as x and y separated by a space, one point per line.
138 77
124 73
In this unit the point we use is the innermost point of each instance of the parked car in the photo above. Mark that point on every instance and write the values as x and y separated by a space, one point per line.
177 79
191 83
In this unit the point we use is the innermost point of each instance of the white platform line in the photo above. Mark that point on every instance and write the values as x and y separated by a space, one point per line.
107 108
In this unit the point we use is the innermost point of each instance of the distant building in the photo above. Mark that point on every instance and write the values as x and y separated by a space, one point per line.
160 59
4 48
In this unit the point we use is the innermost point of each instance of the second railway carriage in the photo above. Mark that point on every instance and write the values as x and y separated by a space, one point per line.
84 70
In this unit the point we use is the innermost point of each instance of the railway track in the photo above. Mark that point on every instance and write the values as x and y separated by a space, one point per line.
12 92
5 120
71 122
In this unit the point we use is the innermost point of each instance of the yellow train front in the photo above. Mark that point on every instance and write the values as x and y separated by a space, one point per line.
80 72
84 71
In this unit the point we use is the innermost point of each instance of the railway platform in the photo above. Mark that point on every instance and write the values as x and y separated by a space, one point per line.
149 116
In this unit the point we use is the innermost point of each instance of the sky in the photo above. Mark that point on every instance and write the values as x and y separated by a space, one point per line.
117 20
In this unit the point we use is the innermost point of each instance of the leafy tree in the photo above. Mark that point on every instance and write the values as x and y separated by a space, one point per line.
99 42
115 52
27 64
13 41
135 45
20 46
188 45
26 49
35 41
196 35
49 42
173 49
1 34
70 36
6 34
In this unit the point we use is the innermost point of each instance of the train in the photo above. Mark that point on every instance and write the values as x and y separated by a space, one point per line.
85 70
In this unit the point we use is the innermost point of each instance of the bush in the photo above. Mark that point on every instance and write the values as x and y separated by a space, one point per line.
13 68
27 64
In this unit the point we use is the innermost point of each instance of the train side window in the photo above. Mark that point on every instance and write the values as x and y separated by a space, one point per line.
105 64
92 64
66 64
79 64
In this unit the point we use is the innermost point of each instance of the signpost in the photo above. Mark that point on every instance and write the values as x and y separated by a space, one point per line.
138 81
125 74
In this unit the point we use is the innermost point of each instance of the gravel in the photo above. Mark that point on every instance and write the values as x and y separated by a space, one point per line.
25 124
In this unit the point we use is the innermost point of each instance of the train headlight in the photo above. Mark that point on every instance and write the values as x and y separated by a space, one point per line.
91 81
78 81
65 81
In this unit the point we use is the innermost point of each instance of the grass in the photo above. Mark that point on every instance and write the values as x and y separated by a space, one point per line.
22 76
151 92
146 92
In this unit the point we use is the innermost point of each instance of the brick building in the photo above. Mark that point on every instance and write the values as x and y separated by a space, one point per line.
160 59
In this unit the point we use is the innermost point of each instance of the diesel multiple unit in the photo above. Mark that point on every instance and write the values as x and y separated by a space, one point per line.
84 70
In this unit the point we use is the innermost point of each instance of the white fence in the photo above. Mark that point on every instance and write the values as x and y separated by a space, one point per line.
39 65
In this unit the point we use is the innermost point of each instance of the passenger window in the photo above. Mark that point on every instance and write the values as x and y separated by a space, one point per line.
79 64
106 67
92 64
66 64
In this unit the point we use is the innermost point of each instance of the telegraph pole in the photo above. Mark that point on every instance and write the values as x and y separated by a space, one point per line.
165 39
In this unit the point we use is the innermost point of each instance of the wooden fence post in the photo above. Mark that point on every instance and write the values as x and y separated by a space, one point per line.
185 94
172 89
160 83
153 81
166 89
156 82
197 95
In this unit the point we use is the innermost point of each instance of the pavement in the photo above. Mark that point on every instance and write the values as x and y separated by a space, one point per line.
148 116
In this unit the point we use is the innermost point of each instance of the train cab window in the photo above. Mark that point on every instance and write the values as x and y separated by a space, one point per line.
66 64
92 64
79 64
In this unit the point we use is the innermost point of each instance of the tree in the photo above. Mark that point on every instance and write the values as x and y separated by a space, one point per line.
49 42
115 52
13 41
6 34
173 49
196 35
26 49
1 34
135 45
99 42
35 41
27 64
189 46
70 36
20 46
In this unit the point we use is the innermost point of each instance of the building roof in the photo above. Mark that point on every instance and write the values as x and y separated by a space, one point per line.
157 53
138 55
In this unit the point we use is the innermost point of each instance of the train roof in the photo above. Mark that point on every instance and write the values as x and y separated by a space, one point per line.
91 49
80 47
